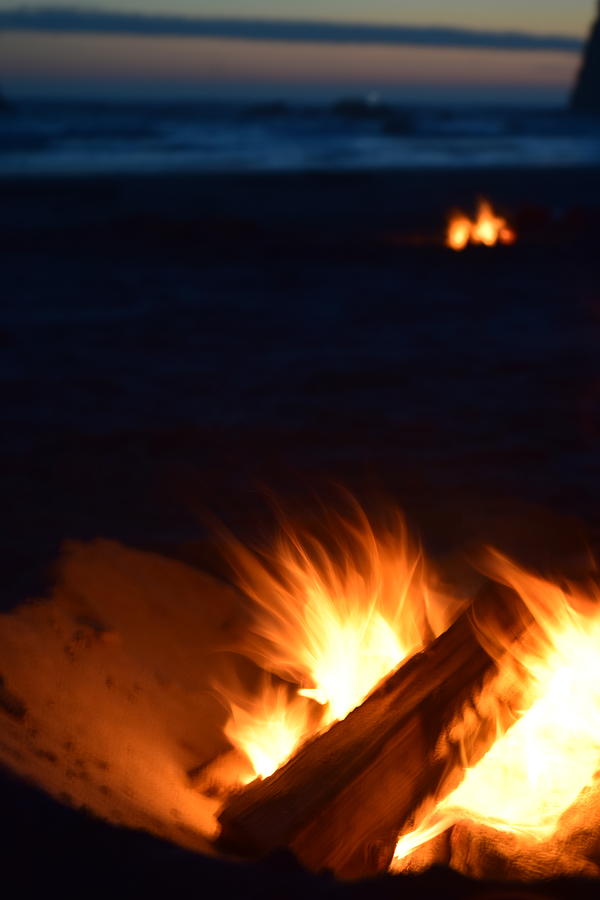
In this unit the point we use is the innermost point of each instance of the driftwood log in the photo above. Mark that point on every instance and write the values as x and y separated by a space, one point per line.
341 801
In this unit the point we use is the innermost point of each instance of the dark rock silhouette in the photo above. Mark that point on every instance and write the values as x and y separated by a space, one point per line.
586 95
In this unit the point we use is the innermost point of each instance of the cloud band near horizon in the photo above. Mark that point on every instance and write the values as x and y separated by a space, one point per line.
72 20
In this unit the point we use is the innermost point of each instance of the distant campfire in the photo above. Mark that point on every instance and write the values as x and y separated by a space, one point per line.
487 229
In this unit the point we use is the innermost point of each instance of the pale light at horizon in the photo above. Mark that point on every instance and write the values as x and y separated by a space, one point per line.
228 63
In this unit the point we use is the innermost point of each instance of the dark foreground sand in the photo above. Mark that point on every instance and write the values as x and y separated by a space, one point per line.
170 345
176 345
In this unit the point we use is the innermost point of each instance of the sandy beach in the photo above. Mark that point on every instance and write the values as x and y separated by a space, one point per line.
172 344
181 348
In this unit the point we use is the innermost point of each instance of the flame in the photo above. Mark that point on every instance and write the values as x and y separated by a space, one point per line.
333 619
268 728
459 232
536 771
487 229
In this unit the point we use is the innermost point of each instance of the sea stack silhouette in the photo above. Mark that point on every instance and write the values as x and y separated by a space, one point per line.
586 96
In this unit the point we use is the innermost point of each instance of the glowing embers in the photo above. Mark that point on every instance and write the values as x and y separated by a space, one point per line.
487 229
537 770
332 616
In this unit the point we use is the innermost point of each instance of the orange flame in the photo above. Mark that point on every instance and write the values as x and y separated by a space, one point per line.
268 728
536 771
333 620
487 229
459 232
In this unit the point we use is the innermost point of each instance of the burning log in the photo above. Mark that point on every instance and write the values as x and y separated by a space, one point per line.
342 800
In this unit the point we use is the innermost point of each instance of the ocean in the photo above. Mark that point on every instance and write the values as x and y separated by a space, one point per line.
76 137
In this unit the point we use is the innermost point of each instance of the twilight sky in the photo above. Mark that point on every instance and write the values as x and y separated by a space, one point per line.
106 53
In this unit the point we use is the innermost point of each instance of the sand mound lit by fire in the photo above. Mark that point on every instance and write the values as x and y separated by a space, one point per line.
105 697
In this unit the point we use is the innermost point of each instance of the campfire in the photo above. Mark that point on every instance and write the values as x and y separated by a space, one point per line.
397 721
487 229
344 698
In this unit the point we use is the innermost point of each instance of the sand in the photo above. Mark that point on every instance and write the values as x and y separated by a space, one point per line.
173 345
177 346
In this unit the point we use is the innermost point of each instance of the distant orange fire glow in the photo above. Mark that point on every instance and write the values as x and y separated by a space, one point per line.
487 229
